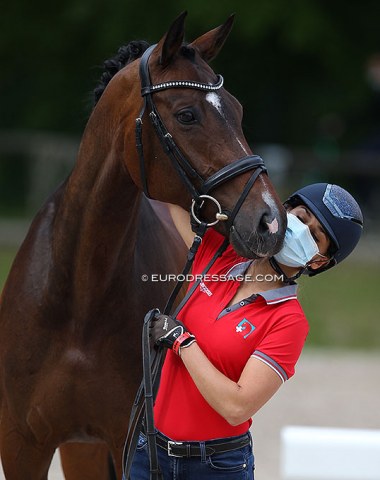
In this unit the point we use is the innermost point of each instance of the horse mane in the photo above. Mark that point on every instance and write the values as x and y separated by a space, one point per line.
125 55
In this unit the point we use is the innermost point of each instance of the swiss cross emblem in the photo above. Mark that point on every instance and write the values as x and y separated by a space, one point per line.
245 327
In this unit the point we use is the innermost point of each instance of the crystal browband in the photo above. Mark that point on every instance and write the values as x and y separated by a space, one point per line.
183 84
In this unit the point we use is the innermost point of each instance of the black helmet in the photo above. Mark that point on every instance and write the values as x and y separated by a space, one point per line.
339 214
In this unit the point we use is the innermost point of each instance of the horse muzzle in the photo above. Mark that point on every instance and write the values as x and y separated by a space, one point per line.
262 242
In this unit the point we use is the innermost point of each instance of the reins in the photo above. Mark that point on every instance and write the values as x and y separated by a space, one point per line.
152 360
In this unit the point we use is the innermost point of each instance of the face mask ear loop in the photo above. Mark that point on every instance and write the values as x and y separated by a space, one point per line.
325 257
332 261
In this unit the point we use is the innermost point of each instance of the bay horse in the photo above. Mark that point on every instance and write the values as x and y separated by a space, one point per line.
72 308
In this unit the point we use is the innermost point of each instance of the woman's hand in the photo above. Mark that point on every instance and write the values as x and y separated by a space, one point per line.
169 332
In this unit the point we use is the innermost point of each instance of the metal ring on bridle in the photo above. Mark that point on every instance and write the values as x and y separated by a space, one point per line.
218 206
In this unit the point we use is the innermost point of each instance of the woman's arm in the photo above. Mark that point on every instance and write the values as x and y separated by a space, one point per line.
234 401
181 219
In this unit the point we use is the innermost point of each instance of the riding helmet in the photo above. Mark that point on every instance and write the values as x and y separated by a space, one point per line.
339 214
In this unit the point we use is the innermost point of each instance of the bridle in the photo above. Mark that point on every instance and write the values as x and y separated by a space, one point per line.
152 362
185 170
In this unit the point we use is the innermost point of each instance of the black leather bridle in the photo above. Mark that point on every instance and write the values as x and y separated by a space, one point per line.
189 176
152 361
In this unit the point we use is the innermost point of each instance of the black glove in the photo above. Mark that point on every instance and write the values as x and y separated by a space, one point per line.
169 332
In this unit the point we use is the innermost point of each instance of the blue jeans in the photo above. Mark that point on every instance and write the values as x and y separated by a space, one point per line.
234 465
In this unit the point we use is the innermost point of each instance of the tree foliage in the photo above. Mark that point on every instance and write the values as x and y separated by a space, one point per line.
289 63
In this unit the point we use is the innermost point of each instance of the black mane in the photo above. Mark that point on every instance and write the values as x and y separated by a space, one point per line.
126 54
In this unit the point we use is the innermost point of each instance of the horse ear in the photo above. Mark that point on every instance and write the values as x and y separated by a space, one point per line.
210 44
172 41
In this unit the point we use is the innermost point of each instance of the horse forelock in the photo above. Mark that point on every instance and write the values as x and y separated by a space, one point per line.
125 55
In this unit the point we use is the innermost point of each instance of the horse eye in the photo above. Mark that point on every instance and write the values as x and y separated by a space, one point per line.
186 117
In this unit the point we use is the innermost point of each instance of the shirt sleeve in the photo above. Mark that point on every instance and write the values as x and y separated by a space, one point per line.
281 348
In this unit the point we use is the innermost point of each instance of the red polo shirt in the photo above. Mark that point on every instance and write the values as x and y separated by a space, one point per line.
270 326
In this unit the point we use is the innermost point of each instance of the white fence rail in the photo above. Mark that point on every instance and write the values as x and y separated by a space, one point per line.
316 453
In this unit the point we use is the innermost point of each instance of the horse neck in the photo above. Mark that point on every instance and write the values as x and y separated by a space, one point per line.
99 212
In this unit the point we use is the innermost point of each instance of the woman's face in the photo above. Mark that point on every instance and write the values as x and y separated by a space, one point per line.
317 231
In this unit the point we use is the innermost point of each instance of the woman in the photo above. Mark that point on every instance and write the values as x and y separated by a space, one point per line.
239 337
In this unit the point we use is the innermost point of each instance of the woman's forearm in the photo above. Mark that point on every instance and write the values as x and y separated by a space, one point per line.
236 402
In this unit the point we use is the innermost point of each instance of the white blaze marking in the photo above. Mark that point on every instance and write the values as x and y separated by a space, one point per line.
269 200
242 146
214 100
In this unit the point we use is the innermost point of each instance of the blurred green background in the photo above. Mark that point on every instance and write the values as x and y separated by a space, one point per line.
307 73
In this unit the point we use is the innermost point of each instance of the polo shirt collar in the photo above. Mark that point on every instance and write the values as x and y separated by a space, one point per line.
276 295
282 294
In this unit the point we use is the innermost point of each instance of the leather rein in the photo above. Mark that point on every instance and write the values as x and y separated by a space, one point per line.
152 360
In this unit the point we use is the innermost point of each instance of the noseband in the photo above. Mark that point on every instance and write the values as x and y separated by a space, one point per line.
186 171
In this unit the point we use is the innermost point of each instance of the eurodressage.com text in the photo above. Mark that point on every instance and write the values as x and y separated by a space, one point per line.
172 277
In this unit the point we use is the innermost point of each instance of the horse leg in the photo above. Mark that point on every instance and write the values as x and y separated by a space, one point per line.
86 461
22 458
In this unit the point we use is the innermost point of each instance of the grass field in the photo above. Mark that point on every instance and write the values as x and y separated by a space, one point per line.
342 305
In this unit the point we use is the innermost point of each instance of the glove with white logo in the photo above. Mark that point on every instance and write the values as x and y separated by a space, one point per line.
169 332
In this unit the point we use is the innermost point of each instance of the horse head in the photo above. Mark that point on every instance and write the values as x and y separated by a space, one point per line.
190 142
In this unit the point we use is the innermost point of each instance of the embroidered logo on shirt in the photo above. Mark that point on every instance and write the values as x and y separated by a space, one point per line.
204 289
245 327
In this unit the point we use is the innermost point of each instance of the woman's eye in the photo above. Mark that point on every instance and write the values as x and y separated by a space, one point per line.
186 117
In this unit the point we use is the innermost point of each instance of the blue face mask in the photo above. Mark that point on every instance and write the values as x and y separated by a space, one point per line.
299 245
